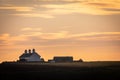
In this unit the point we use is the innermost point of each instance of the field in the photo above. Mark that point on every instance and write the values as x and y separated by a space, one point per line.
60 71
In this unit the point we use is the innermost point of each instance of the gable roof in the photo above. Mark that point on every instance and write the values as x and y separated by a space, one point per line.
28 54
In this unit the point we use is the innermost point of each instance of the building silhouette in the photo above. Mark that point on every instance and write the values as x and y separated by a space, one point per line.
62 59
29 56
33 56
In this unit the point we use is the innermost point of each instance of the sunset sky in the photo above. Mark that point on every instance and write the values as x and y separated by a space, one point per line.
87 29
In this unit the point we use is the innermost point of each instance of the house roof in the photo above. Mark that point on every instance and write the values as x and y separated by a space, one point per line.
25 55
28 54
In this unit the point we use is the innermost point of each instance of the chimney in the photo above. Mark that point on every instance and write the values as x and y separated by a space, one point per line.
29 51
25 51
33 50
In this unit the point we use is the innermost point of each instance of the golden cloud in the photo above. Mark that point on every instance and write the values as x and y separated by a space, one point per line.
63 35
17 8
30 29
94 7
34 15
4 36
101 36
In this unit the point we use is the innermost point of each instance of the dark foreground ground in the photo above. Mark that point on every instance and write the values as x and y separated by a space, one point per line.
60 71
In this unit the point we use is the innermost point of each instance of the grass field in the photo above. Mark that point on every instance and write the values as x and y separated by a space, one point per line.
60 71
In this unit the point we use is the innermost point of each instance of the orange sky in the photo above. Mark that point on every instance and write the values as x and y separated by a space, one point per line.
87 29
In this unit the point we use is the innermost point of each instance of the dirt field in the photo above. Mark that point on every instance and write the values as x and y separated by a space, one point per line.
60 71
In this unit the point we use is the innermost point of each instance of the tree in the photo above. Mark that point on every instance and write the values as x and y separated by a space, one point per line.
80 60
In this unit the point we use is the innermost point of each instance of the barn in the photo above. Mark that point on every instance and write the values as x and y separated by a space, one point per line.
63 59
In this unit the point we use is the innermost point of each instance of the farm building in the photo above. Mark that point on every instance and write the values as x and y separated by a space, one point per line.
63 59
29 56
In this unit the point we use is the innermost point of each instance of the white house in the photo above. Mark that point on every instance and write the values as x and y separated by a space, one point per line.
29 56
